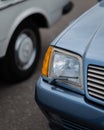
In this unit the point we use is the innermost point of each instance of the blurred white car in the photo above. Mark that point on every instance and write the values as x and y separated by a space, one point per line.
19 35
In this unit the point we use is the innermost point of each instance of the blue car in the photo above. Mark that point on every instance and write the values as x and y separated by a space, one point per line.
70 90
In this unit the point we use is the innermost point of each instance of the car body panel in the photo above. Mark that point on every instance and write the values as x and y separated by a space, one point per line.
71 108
21 9
79 32
70 104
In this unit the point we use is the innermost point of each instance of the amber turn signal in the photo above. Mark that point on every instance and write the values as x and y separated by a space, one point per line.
46 61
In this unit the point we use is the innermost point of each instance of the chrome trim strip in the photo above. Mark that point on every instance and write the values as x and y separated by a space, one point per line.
95 86
96 67
96 95
96 71
95 81
96 91
6 4
96 76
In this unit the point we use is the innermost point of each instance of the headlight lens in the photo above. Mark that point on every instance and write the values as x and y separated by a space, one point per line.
66 67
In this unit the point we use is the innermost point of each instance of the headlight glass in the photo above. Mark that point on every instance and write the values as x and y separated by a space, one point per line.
65 67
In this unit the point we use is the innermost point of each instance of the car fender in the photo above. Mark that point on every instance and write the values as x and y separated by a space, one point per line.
21 17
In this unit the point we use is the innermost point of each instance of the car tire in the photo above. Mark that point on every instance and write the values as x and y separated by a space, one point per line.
23 52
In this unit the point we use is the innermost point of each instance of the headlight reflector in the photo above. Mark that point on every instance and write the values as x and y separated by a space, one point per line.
65 66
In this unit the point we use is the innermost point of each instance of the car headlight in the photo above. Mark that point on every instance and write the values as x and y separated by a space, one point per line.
63 66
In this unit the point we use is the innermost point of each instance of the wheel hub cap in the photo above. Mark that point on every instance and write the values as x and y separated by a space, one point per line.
25 51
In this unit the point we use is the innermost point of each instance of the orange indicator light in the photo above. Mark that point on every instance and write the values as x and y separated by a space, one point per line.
46 61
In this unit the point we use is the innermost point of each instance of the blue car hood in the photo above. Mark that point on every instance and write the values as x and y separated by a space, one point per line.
85 36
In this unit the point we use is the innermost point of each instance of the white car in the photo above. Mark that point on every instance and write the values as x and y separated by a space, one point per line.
19 35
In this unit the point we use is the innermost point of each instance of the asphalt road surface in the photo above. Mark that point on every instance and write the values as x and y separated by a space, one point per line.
18 110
